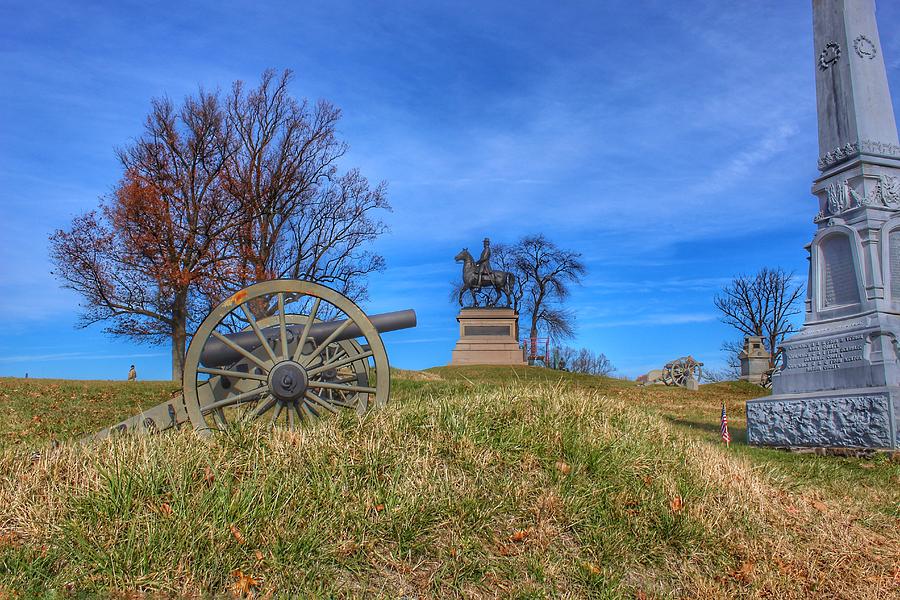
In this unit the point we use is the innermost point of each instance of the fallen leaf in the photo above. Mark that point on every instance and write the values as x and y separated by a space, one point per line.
259 555
237 534
208 475
519 535
745 573
244 584
782 566
563 467
379 507
820 506
165 508
592 567
676 504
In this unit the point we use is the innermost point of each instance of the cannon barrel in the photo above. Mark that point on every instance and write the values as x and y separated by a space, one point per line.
216 353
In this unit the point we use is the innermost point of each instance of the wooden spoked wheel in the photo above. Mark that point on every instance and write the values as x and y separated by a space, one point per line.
766 380
679 371
284 370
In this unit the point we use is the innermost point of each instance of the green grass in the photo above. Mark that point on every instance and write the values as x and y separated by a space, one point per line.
33 411
472 482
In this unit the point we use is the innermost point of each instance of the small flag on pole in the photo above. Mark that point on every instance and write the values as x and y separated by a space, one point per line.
726 437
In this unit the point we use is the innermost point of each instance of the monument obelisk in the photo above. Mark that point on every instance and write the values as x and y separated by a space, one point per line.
840 382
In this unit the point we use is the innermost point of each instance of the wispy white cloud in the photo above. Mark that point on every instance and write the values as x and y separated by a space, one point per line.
738 167
659 319
66 356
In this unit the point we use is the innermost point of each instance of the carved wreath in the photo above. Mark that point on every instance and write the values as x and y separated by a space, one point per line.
830 54
864 47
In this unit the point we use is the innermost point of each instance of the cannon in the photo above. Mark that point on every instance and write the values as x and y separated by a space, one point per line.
765 381
283 352
683 372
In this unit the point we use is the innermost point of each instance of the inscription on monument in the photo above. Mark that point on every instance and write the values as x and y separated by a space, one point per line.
839 275
825 354
486 330
894 257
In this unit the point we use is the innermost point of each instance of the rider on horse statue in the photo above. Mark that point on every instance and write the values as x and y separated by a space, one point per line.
478 274
484 262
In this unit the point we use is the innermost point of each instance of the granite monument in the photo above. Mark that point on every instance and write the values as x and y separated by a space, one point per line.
839 385
754 359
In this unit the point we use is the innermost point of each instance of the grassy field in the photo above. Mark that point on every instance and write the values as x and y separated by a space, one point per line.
472 482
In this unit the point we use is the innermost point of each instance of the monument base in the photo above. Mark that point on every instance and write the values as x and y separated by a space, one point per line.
838 388
488 336
855 418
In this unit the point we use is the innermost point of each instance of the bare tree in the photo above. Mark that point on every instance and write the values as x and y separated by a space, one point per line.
504 257
585 360
302 218
160 236
214 198
761 305
546 272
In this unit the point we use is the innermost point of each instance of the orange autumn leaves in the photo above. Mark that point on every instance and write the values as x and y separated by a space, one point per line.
245 584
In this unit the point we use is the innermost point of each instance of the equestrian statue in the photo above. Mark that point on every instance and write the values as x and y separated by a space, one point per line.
477 275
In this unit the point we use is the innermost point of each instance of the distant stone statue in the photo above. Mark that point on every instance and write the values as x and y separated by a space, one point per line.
479 274
132 374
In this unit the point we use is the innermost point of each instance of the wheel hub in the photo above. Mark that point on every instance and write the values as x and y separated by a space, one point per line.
288 381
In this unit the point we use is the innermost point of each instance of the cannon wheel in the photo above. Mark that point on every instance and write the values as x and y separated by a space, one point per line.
766 380
256 393
668 374
679 371
355 373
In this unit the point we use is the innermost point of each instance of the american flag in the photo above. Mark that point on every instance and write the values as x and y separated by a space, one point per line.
726 437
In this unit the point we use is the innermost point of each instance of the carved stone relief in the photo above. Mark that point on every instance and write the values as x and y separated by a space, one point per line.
864 47
841 197
851 149
830 54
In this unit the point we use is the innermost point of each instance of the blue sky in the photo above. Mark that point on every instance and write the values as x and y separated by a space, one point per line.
673 144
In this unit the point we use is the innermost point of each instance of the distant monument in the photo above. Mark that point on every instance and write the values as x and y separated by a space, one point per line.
488 335
840 382
754 360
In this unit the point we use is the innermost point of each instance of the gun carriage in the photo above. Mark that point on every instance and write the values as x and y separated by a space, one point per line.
282 351
681 370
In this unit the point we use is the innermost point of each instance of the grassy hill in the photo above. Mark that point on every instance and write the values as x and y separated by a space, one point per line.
472 482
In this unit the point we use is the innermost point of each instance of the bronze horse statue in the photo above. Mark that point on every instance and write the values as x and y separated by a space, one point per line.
501 281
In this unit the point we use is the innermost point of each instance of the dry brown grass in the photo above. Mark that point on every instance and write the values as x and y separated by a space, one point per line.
456 489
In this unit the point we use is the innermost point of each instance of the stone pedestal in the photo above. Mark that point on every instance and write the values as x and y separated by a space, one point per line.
754 360
840 381
488 336
838 387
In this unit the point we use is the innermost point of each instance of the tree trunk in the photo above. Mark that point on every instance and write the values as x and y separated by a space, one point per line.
179 335
532 342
